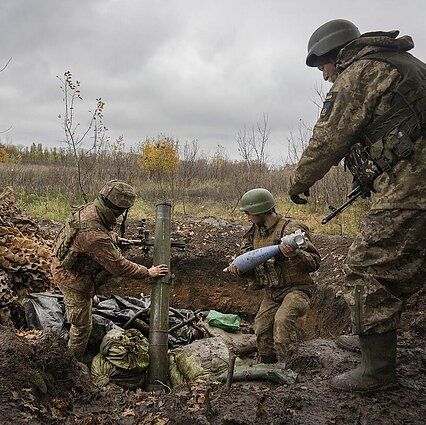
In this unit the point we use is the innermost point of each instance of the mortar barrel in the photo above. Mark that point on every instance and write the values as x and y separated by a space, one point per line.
160 297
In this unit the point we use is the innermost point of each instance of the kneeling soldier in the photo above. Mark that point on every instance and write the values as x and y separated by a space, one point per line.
86 253
285 278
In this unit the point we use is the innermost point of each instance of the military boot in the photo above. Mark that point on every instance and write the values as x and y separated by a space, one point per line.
377 369
348 342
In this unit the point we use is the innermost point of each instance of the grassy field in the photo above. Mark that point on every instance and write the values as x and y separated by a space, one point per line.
199 187
58 207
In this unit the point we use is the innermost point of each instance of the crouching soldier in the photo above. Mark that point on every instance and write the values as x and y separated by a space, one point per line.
86 253
285 278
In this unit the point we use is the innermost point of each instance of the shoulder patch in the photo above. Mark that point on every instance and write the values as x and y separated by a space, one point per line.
327 105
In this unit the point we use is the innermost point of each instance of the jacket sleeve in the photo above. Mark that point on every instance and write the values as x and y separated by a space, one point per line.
348 108
99 246
306 260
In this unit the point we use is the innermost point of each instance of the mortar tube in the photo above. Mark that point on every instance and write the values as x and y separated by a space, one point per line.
160 297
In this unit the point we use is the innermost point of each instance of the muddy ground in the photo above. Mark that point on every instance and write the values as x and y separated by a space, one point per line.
40 382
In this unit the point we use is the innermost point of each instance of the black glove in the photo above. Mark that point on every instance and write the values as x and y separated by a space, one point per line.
297 199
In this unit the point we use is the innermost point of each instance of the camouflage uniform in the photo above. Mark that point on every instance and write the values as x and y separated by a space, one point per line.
386 262
288 287
96 256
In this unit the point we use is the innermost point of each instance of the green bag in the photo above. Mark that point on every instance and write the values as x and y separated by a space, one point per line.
228 322
126 349
123 359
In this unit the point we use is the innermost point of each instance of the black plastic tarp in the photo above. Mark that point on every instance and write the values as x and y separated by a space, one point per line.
47 311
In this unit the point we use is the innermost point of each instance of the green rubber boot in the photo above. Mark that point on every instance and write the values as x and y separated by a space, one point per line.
348 342
377 369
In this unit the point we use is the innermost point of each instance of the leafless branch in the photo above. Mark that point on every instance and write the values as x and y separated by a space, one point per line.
75 140
5 131
5 66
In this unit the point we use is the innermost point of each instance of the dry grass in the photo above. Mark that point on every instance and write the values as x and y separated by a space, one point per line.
49 192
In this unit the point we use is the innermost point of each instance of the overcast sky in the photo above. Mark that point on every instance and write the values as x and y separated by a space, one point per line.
190 69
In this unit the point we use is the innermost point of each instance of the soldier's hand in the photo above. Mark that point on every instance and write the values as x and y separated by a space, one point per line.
287 251
157 271
232 269
297 199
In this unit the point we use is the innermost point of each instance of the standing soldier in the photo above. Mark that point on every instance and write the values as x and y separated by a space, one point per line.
375 117
288 285
86 253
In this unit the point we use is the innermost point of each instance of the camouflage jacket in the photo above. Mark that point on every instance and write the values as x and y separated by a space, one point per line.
280 275
361 93
98 257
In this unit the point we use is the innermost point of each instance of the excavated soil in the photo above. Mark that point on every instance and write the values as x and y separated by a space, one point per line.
41 383
39 379
200 283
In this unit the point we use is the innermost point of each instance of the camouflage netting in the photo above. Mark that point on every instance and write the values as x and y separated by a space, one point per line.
25 256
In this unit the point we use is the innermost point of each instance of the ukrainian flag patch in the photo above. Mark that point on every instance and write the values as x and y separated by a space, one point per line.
327 105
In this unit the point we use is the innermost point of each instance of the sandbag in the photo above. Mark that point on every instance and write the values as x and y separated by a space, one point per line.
204 359
104 372
228 322
123 359
126 349
261 372
241 344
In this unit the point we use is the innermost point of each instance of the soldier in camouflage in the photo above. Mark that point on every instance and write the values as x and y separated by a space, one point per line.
375 117
285 279
86 253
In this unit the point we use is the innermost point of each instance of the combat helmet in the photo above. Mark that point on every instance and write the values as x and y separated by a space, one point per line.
257 201
328 37
119 194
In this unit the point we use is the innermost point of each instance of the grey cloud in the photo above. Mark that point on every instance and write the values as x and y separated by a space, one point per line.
191 69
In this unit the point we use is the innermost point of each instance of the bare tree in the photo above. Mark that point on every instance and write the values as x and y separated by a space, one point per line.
320 95
187 168
75 138
298 141
252 145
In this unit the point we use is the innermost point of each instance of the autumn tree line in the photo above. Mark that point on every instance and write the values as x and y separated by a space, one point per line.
160 168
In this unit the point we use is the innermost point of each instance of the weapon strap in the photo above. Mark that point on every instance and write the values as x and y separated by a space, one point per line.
123 223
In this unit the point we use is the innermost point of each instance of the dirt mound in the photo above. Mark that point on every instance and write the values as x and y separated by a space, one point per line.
25 258
39 379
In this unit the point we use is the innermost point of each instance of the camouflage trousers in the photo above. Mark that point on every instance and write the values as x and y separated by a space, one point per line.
275 324
78 308
384 267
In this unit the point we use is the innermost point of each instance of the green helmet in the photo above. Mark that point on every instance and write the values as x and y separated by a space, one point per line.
330 36
257 201
119 193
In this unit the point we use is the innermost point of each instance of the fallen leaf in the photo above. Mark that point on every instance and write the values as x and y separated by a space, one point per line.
128 412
